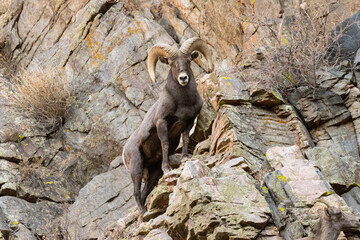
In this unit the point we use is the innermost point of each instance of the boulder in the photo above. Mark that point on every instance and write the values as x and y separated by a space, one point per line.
215 206
231 90
100 203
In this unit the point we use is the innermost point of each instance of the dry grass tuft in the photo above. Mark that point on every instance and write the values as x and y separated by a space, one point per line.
296 48
42 95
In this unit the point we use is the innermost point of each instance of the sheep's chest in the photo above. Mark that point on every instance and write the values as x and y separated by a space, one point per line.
186 113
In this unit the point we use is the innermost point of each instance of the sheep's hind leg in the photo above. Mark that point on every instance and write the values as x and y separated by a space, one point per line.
136 170
155 173
186 140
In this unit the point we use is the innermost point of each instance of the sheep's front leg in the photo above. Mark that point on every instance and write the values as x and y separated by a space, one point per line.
186 139
162 131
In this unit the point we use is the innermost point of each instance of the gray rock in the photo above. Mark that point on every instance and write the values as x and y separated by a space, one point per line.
78 120
352 198
319 106
232 90
9 178
43 183
328 120
4 227
235 162
135 95
42 218
101 47
340 172
10 152
116 162
270 232
34 184
357 58
100 203
23 233
347 39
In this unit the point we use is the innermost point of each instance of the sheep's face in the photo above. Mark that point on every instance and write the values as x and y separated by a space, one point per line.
180 66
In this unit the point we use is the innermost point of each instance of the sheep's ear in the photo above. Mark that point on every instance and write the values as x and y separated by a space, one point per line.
194 55
164 60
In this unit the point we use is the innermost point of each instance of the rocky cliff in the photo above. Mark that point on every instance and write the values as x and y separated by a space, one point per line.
265 166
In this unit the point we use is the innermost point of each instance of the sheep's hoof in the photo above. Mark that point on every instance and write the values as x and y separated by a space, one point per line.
166 169
140 219
185 156
141 216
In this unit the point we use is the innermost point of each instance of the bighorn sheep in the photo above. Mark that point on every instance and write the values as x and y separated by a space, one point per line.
332 221
146 152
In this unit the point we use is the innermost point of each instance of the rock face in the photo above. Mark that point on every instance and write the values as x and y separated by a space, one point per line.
106 197
265 166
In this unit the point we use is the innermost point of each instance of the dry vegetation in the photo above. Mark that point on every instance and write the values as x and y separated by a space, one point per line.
295 48
44 95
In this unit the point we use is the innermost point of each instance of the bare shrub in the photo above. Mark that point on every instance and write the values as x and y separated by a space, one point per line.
42 95
293 49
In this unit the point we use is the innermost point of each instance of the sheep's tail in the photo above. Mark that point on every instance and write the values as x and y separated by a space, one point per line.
123 158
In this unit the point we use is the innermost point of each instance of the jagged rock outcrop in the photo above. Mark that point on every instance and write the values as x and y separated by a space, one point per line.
202 202
264 165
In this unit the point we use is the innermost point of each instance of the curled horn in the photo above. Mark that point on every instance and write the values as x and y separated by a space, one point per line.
159 50
197 44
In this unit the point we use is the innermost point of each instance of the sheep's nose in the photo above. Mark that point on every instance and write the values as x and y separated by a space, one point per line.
183 78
